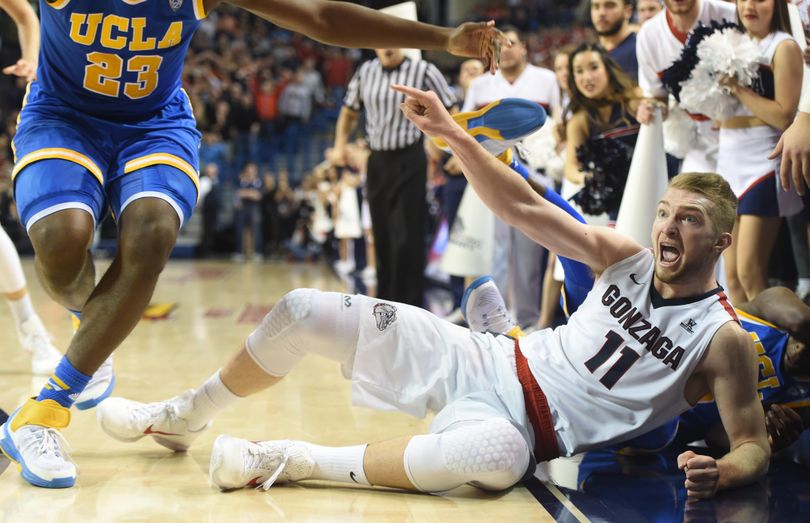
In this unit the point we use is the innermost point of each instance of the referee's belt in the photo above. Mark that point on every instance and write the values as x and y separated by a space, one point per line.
545 439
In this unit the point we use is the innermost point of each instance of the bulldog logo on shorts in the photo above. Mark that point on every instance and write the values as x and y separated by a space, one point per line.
385 315
175 4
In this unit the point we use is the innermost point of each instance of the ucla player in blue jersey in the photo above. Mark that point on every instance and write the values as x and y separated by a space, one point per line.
106 127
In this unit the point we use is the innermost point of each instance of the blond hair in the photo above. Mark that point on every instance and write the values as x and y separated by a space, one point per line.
717 190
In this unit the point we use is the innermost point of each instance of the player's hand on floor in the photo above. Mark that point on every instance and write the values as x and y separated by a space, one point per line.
23 68
784 426
702 475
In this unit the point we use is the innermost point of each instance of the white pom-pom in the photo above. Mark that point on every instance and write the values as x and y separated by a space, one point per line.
680 132
724 54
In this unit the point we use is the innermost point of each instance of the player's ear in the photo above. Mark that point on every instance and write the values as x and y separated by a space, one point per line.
723 242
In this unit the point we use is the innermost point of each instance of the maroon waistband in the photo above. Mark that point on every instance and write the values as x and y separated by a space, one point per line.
545 439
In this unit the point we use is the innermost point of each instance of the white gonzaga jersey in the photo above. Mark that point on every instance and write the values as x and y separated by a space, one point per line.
536 84
659 43
619 367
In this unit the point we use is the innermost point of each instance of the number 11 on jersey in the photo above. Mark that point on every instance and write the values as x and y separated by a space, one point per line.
628 357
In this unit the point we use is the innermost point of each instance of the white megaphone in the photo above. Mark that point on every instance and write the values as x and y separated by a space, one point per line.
470 242
646 183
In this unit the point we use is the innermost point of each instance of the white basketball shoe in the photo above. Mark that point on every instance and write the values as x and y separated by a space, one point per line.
484 309
238 463
165 421
36 340
40 451
98 388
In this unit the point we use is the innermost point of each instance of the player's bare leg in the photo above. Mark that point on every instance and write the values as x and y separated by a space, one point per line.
63 260
147 233
148 229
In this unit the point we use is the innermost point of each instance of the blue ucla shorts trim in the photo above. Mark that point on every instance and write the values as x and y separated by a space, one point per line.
760 199
69 159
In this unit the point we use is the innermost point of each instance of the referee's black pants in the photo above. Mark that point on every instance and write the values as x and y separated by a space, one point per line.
396 198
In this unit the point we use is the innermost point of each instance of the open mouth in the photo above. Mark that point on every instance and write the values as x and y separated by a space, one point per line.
668 255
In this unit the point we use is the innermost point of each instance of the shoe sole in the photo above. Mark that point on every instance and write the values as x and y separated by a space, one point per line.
93 402
469 290
10 450
504 122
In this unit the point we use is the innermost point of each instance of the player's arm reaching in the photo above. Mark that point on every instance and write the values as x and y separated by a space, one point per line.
28 28
730 371
510 197
350 25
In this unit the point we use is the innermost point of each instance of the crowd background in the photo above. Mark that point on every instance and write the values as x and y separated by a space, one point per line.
270 98
266 102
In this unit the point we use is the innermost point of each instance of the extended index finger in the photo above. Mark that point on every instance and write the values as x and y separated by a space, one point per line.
409 91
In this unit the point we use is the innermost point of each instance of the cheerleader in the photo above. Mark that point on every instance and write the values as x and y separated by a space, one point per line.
746 139
603 102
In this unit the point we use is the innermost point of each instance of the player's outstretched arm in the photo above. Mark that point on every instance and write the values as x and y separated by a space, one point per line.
350 25
28 27
510 197
730 371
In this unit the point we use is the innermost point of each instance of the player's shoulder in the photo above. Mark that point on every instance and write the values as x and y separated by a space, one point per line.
731 340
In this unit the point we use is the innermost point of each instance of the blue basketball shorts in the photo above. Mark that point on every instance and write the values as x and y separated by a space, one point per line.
66 159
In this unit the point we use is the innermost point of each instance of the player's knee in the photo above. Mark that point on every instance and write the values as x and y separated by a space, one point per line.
147 240
273 345
491 454
61 242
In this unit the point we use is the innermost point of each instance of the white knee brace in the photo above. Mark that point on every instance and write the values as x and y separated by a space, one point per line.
490 454
304 321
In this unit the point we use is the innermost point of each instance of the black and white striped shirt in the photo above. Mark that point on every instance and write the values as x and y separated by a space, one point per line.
369 88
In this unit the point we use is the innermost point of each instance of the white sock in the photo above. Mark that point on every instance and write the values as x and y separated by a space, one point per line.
803 287
209 399
22 309
344 464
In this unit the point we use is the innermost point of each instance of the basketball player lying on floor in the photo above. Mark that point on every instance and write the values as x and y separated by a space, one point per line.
777 321
500 402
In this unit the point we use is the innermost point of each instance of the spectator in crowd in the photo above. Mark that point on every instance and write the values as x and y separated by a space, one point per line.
611 19
266 100
245 127
210 205
295 108
646 9
249 214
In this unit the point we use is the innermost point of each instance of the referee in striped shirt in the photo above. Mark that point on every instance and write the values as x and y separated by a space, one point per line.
397 167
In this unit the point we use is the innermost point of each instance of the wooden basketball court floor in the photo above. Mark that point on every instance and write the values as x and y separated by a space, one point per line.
217 306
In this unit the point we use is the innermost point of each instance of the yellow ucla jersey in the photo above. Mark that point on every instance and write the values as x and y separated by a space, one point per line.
115 59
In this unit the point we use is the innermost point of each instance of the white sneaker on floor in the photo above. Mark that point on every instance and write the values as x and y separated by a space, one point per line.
484 308
41 452
238 463
165 421
36 340
98 388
